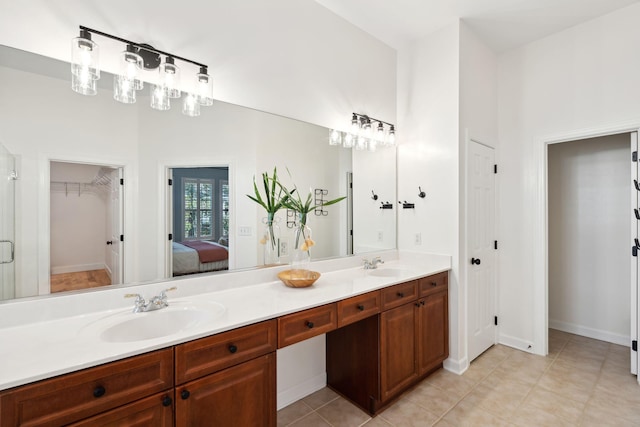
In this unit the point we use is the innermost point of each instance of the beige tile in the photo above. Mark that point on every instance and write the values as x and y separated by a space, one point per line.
444 423
569 385
574 362
621 405
625 385
456 385
293 412
320 398
529 416
467 414
311 420
407 413
523 367
431 398
561 407
556 334
499 396
377 422
595 417
340 413
477 372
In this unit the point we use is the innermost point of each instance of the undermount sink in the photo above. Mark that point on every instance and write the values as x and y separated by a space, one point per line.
390 272
177 317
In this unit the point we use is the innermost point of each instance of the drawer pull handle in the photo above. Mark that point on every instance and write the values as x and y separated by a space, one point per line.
421 302
309 324
417 304
400 294
434 284
184 394
166 401
232 348
361 307
99 391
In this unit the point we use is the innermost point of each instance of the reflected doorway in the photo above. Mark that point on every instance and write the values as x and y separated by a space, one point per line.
199 220
86 217
8 176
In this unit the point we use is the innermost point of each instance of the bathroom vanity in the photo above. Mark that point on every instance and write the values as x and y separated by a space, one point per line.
384 332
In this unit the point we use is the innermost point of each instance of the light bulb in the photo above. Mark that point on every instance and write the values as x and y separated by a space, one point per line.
170 77
392 136
335 137
190 105
160 98
204 88
348 140
361 142
84 64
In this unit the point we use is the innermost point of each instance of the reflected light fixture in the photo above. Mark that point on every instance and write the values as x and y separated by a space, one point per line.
362 136
136 59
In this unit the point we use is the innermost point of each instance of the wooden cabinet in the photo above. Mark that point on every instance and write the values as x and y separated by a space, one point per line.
372 361
156 411
243 395
356 308
79 395
305 324
228 378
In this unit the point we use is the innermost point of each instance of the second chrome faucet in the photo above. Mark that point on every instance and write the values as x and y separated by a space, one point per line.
155 303
373 264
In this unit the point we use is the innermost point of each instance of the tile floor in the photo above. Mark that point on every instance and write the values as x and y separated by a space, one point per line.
582 382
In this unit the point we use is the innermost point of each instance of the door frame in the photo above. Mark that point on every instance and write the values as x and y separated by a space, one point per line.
540 224
464 256
165 211
44 213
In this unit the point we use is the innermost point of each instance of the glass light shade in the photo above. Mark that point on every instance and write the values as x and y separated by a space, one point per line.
160 99
204 88
131 67
170 77
355 125
335 137
372 144
124 90
191 106
348 140
361 143
85 57
380 135
83 84
391 138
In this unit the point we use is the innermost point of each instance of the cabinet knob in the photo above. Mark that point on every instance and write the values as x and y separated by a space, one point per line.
166 401
475 261
309 324
232 348
434 284
421 302
417 304
360 307
184 394
400 294
99 391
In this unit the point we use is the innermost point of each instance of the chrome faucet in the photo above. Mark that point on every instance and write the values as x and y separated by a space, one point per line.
155 303
373 264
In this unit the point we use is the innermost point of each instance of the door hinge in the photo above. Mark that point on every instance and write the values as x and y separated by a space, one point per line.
121 181
495 244
495 168
634 156
170 236
122 237
495 320
637 213
634 345
635 183
634 251
170 181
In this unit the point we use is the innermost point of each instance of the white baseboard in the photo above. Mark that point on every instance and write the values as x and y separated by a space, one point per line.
456 366
76 268
596 334
516 343
297 392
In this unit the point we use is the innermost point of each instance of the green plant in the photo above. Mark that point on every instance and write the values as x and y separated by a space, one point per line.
273 200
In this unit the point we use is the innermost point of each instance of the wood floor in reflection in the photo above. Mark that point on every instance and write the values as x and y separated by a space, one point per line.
79 280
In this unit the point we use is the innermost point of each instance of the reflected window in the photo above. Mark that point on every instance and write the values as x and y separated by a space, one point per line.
224 203
198 208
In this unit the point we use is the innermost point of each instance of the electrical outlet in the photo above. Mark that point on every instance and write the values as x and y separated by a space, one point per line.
245 231
418 239
380 236
284 248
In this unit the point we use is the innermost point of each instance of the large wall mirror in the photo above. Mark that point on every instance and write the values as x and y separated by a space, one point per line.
181 176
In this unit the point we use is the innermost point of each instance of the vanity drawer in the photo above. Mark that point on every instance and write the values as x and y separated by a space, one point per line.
207 355
433 283
357 308
81 394
397 295
300 326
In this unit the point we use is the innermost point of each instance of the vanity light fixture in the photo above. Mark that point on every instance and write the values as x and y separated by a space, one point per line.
362 135
137 59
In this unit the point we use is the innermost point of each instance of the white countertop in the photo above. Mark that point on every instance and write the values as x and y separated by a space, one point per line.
43 342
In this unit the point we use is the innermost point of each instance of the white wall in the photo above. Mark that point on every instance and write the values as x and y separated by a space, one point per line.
589 259
78 220
570 85
428 152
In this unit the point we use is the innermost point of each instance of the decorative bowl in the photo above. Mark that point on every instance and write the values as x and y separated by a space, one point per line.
298 278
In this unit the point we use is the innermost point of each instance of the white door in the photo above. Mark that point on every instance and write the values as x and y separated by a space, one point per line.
7 224
117 246
635 218
480 249
169 225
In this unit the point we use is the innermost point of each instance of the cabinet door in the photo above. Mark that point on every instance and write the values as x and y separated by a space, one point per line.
433 331
397 349
243 395
154 411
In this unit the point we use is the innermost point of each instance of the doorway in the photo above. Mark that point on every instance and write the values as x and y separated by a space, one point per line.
589 256
199 220
86 217
8 177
